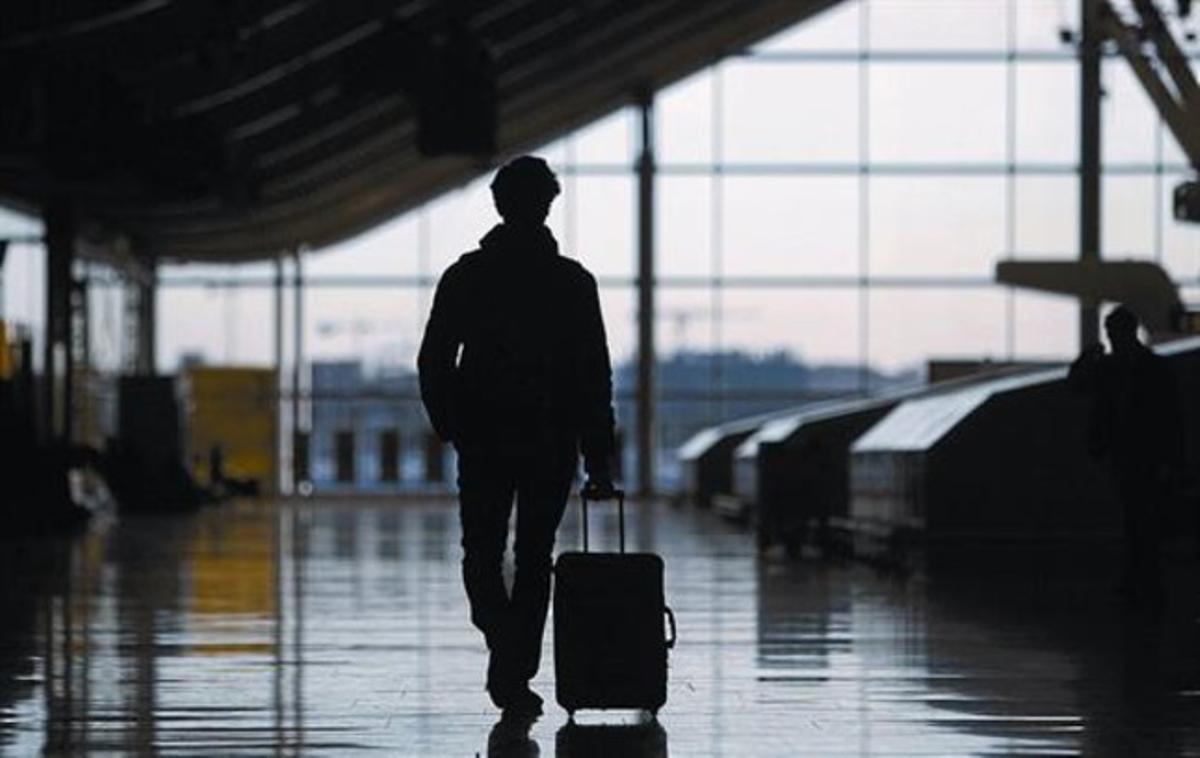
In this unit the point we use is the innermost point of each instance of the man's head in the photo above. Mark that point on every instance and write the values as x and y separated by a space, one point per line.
1122 328
523 190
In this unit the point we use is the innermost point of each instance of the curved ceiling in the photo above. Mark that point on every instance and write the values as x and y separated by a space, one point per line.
236 129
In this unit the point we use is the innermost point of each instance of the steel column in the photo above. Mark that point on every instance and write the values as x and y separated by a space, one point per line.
297 362
278 342
1091 37
646 358
57 353
79 349
147 358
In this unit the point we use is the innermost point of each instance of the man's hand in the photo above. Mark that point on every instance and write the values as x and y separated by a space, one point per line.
599 488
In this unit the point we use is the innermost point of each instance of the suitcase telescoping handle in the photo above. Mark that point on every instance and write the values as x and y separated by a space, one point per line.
671 621
620 498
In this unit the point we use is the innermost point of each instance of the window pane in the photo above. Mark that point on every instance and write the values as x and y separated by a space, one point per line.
1046 217
184 326
1129 117
260 271
697 387
457 221
555 153
1038 23
909 327
790 225
1172 154
1129 216
836 28
607 141
818 326
685 321
378 326
924 112
389 249
1181 240
24 290
938 25
604 213
232 326
684 121
619 306
1046 327
790 112
107 324
936 225
684 226
1047 113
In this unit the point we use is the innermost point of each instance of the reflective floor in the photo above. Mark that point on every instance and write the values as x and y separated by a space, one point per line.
330 628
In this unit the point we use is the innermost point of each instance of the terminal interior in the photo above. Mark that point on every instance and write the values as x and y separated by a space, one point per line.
847 252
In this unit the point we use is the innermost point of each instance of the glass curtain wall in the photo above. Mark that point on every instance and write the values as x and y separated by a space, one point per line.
830 206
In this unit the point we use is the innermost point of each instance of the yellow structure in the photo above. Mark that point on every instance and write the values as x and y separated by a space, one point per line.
235 410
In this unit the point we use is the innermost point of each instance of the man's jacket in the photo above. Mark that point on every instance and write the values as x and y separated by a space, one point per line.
515 352
1136 419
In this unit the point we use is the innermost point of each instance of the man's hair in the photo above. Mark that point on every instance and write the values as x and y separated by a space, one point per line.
524 179
1122 318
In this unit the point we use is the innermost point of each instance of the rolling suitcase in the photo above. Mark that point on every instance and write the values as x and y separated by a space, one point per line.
610 640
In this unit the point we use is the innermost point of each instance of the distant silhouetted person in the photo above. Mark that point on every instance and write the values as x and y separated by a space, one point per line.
216 467
1137 431
515 373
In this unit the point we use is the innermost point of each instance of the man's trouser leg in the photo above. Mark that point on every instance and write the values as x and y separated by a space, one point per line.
1141 496
542 492
486 484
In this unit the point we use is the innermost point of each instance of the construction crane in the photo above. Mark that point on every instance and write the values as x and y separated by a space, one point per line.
358 329
1162 68
682 318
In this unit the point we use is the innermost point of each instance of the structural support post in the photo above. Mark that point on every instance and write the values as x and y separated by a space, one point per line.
646 358
299 441
278 343
57 354
79 349
147 356
1091 38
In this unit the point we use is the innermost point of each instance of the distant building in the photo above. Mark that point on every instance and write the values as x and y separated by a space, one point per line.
356 408
353 409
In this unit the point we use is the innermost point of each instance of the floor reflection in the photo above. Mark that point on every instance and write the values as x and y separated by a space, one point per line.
647 739
326 628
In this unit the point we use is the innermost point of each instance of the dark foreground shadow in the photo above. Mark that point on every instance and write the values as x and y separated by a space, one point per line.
645 740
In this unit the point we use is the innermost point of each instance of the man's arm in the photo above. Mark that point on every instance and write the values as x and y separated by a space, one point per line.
595 377
439 352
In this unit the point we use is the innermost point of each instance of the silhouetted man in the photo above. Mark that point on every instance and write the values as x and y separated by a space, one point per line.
1136 429
515 373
